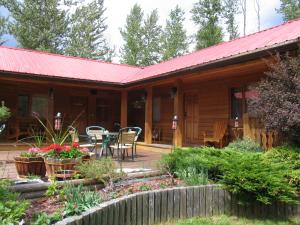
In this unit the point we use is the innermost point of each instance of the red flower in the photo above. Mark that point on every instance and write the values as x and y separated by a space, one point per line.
75 145
67 147
56 147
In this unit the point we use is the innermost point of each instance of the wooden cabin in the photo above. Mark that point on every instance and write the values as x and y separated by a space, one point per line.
199 88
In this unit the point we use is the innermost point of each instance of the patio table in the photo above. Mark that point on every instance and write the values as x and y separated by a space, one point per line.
108 139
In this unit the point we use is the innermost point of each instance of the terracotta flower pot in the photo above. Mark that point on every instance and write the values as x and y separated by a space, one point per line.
53 165
30 166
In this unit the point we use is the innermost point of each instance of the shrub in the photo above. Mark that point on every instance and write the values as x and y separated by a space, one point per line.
78 200
102 170
248 176
289 157
245 145
42 218
11 209
4 113
193 177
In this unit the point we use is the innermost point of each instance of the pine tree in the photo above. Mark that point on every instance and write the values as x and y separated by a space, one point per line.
206 14
175 41
132 36
231 9
86 38
3 23
38 24
290 9
152 39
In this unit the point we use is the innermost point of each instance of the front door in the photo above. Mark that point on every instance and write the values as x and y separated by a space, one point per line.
191 110
79 112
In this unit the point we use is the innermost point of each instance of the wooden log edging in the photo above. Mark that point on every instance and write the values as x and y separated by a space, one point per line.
158 206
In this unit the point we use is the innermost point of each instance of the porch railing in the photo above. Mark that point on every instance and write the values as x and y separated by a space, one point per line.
254 130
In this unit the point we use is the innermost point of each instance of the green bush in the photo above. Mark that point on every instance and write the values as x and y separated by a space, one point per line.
193 177
78 200
245 145
289 157
248 176
102 170
42 218
245 173
11 209
4 113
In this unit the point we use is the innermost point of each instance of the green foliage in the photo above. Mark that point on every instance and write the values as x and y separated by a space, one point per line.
11 208
42 218
4 113
193 177
38 24
145 187
290 9
289 156
132 36
102 170
53 188
206 15
3 29
248 174
231 220
175 41
245 145
86 38
231 9
71 154
78 200
152 39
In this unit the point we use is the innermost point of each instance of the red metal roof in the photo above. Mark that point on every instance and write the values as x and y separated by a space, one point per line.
46 64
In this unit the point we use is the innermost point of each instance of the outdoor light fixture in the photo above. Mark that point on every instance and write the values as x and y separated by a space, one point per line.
93 92
58 121
174 122
173 92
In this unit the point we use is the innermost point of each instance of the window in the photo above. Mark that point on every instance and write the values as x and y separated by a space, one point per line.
23 105
236 103
156 109
40 106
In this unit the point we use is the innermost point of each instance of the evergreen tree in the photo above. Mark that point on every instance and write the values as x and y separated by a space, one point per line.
175 39
86 38
2 29
132 36
152 39
230 10
38 24
206 14
290 9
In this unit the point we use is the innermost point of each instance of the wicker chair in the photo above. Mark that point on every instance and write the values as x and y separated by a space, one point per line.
219 134
126 139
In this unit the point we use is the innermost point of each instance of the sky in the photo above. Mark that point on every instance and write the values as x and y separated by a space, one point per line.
117 10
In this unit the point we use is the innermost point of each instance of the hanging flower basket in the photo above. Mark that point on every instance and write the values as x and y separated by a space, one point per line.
28 166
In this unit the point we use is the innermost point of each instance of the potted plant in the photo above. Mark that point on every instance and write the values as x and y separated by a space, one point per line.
30 163
59 158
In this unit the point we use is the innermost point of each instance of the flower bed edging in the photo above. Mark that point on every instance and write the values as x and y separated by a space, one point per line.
158 206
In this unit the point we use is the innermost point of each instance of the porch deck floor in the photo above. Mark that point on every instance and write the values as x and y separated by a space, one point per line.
147 158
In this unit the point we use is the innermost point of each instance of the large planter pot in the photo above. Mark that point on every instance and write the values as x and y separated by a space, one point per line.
30 166
53 165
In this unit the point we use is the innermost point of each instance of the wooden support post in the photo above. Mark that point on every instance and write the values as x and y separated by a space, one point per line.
51 107
148 116
179 111
124 108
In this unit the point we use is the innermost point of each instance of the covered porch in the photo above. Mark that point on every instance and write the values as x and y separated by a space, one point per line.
198 99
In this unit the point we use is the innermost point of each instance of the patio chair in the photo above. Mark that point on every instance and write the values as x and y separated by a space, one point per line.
96 133
126 139
138 131
219 134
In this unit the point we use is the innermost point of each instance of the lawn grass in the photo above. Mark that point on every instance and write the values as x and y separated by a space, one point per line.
226 220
